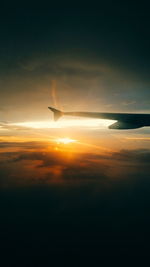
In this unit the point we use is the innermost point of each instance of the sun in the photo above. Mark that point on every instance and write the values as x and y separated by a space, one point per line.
65 140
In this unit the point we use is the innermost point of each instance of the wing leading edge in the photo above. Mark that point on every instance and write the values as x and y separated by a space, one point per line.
125 121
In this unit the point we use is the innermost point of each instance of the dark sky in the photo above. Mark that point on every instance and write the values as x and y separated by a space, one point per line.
100 51
87 202
119 37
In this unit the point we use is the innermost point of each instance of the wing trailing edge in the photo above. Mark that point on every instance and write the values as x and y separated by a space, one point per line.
121 125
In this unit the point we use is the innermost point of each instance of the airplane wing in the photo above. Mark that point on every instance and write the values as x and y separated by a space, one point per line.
124 121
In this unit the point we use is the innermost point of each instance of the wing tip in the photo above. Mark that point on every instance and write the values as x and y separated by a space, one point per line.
57 113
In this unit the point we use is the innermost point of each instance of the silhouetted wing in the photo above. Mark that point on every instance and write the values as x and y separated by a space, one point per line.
124 120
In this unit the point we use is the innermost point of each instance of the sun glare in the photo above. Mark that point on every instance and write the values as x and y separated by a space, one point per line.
66 123
65 140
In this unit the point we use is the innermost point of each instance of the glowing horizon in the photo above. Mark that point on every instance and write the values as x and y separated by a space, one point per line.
63 123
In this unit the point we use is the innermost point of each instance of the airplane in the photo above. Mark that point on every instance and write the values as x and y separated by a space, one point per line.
125 121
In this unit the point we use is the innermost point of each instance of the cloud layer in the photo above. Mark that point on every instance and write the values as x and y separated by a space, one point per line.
32 164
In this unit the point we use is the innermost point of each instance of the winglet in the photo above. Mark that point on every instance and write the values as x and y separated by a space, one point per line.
57 113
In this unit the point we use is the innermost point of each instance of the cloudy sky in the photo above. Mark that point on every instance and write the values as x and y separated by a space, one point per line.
73 185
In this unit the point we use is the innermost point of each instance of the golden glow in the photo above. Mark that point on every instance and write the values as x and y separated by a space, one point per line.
65 140
138 138
65 123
